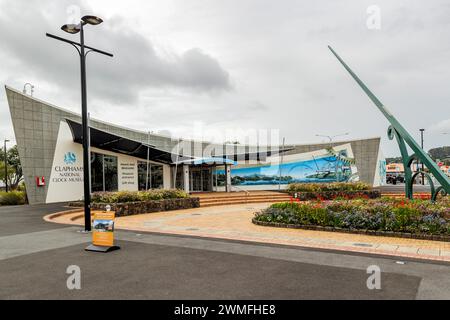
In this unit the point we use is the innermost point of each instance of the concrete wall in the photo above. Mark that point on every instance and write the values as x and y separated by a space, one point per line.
36 125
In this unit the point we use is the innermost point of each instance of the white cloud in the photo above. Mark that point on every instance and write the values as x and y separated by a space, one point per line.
239 63
442 127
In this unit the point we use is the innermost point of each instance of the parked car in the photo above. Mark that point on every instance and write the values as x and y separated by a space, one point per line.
394 178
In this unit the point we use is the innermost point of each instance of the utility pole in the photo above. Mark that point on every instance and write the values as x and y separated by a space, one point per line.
148 156
176 165
6 166
281 163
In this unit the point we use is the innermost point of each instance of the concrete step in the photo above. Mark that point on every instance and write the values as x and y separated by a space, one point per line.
225 195
233 202
243 198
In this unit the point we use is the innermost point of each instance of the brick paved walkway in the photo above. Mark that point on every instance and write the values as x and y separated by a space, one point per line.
234 222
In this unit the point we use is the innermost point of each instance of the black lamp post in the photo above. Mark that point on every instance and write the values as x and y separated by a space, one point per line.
332 137
423 166
81 47
6 165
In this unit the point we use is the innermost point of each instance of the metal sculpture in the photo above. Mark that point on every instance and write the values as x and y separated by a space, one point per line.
397 131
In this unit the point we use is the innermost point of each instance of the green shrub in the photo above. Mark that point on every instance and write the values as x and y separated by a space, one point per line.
136 196
12 198
21 186
326 187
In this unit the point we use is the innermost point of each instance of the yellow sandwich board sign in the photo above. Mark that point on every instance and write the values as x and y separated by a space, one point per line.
103 232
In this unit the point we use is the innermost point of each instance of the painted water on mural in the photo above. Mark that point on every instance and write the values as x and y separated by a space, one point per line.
320 169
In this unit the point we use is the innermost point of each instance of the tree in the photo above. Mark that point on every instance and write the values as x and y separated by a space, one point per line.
393 160
10 174
15 173
14 162
443 154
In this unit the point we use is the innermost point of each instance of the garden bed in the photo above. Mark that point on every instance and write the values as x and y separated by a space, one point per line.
126 203
445 238
416 219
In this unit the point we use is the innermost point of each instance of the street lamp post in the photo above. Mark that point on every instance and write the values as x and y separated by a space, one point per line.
280 164
148 159
332 137
423 165
6 165
81 47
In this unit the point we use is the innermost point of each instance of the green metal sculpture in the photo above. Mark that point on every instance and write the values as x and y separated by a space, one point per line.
403 137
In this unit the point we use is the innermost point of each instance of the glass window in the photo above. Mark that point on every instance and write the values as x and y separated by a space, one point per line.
179 180
96 172
103 172
156 174
142 180
110 173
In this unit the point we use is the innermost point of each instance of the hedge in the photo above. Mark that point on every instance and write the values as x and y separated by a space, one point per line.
136 196
148 206
326 187
336 195
125 203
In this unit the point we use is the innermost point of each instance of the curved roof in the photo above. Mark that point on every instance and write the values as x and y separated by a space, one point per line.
112 142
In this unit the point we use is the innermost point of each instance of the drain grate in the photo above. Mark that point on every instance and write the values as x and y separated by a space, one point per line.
365 245
192 229
196 214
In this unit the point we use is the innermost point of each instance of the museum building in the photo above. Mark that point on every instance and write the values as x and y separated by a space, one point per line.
49 141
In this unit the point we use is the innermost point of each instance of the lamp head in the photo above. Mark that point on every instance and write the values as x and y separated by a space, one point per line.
92 20
71 28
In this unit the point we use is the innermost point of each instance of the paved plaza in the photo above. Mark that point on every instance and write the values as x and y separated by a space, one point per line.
35 254
233 222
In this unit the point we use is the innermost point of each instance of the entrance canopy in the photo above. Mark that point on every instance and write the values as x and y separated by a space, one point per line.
111 142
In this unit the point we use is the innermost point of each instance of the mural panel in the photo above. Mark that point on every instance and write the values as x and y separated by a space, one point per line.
320 166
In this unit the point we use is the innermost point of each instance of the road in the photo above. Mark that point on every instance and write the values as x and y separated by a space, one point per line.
34 257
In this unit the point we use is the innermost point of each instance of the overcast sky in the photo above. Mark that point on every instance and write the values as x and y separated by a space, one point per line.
212 67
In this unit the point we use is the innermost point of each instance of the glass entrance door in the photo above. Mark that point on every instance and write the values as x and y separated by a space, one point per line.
200 179
206 180
196 179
